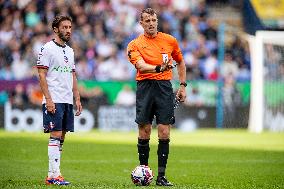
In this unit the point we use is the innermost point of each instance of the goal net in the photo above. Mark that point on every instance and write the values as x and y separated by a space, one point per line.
267 83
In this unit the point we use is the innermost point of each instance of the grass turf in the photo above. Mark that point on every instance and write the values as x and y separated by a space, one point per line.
205 159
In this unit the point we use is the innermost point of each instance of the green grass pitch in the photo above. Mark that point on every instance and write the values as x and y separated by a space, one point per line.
205 159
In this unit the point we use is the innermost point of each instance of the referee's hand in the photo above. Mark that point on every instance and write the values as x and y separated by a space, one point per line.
166 65
181 94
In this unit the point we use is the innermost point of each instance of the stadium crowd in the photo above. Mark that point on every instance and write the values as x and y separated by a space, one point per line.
101 31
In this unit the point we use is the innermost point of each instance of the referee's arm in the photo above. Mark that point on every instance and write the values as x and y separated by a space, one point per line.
181 71
181 93
143 67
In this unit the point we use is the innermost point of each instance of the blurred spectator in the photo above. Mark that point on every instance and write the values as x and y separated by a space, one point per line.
213 76
210 31
103 70
20 68
229 67
281 71
101 30
126 96
94 96
184 5
6 31
271 58
32 17
34 93
192 29
209 67
4 97
200 9
232 99
6 73
83 70
244 73
98 97
18 96
231 93
237 48
119 70
104 47
194 98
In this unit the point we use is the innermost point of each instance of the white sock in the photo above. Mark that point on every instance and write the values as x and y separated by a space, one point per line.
54 158
60 150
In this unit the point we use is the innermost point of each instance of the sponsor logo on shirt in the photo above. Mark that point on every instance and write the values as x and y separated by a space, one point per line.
63 69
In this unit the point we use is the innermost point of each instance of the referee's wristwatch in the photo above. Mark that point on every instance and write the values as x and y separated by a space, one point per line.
183 83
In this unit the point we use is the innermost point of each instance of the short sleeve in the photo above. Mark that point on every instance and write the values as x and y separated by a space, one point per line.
43 58
133 53
176 54
73 68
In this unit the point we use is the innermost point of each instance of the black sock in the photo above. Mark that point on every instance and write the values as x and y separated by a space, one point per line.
163 152
143 151
61 145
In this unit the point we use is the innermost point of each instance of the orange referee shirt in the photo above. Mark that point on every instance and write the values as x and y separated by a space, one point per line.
154 51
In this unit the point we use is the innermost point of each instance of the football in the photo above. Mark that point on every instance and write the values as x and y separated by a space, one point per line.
142 175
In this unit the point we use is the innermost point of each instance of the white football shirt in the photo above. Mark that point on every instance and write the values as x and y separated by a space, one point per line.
59 60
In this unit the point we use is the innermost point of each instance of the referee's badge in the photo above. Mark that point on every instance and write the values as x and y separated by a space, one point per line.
165 57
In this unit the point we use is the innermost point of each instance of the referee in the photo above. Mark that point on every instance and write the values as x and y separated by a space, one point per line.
151 53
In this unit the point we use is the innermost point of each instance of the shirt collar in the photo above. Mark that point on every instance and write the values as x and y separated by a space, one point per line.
63 46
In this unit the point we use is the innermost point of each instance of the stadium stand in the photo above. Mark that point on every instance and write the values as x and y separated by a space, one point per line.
102 29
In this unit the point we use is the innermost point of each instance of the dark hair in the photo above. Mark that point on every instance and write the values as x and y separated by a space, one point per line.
59 18
148 11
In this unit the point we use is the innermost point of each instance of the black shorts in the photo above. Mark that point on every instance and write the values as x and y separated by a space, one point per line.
61 120
154 98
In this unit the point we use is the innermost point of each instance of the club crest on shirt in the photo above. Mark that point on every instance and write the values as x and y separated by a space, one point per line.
66 59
